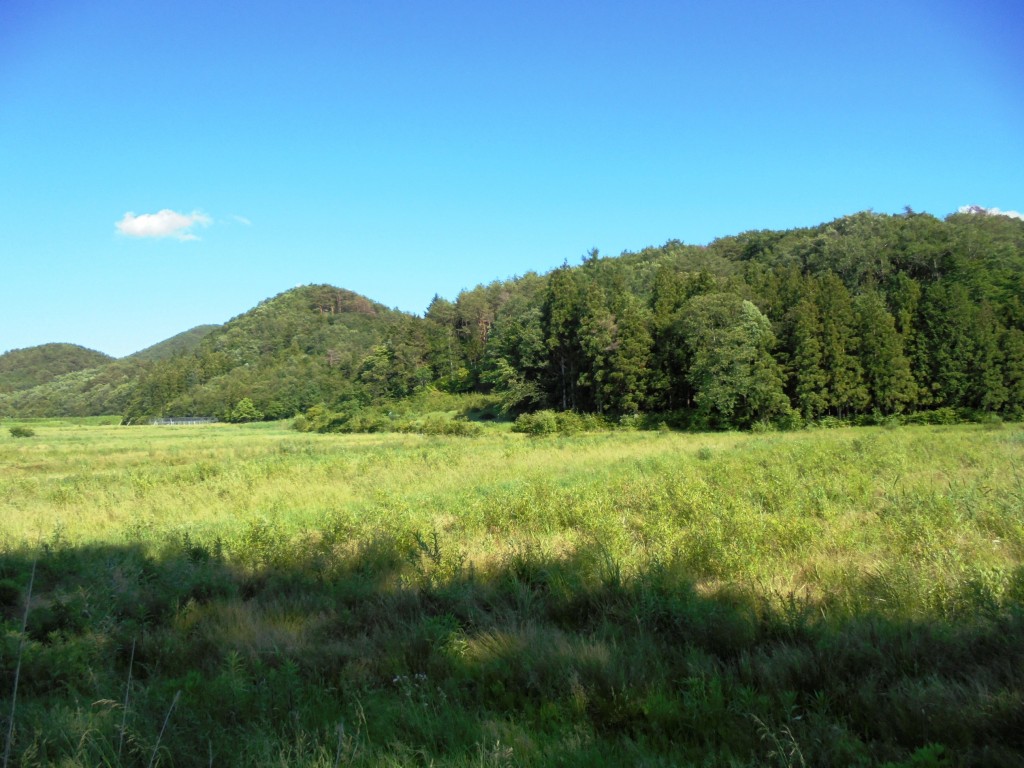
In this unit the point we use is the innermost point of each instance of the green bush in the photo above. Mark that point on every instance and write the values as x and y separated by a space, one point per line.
548 422
937 416
537 423
22 432
245 410
438 425
570 422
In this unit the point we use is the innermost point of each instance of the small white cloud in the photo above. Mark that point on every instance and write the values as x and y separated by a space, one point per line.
990 211
241 220
165 223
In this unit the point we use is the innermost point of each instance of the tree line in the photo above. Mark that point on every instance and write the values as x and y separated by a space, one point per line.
869 316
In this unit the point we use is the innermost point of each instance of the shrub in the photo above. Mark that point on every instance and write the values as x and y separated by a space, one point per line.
570 422
245 410
938 416
436 425
631 421
537 423
22 432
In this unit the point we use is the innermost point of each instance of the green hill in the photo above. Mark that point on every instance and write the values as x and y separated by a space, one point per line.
22 369
299 348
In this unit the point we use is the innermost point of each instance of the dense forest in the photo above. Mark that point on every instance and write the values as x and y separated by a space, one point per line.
22 369
867 317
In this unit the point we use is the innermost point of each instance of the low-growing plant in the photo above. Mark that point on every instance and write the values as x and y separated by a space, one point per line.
537 423
20 431
668 599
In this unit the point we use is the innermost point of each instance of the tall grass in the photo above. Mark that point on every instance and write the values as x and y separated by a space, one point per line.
824 597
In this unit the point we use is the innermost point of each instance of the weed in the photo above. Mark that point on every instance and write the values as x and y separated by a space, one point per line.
17 668
783 747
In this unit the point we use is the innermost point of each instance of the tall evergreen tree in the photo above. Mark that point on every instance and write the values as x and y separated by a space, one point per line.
944 347
843 372
560 321
808 380
890 385
1012 344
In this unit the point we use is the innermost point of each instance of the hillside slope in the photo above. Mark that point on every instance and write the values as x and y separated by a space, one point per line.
22 369
184 342
308 345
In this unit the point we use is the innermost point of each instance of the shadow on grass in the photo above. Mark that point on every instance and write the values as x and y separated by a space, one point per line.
393 652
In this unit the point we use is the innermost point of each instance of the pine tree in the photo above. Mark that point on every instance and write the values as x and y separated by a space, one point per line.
987 391
944 348
626 388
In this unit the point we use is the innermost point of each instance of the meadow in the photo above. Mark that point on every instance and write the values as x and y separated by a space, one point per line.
239 595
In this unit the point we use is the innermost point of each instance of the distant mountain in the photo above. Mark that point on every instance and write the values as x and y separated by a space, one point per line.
186 341
22 369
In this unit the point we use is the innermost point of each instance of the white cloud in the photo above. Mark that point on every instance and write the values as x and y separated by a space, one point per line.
241 220
990 211
165 223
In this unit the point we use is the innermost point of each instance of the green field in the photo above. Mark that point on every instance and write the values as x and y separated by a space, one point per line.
249 595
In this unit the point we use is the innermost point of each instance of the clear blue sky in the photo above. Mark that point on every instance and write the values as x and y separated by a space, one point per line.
403 149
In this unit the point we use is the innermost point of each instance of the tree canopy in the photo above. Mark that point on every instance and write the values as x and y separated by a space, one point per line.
869 315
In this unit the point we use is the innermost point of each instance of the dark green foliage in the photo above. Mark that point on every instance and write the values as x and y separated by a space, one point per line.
561 318
1013 370
808 381
874 316
887 376
734 376
353 418
20 431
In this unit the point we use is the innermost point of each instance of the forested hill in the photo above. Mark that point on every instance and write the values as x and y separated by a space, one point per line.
26 368
869 315
302 347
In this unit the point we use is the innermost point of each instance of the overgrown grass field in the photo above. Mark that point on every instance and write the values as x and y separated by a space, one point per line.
248 595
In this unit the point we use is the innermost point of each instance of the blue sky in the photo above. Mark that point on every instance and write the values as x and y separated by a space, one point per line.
403 149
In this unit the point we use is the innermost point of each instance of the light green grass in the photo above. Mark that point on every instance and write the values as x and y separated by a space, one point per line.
618 597
820 513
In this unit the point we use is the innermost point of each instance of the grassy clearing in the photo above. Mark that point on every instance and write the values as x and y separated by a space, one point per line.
850 596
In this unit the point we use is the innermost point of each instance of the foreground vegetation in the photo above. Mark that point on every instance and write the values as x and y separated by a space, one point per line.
252 595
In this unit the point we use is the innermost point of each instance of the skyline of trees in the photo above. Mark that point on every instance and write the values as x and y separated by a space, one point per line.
868 314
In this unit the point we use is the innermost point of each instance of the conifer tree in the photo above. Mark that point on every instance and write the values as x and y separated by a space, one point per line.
560 320
1012 343
844 375
887 376
808 381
